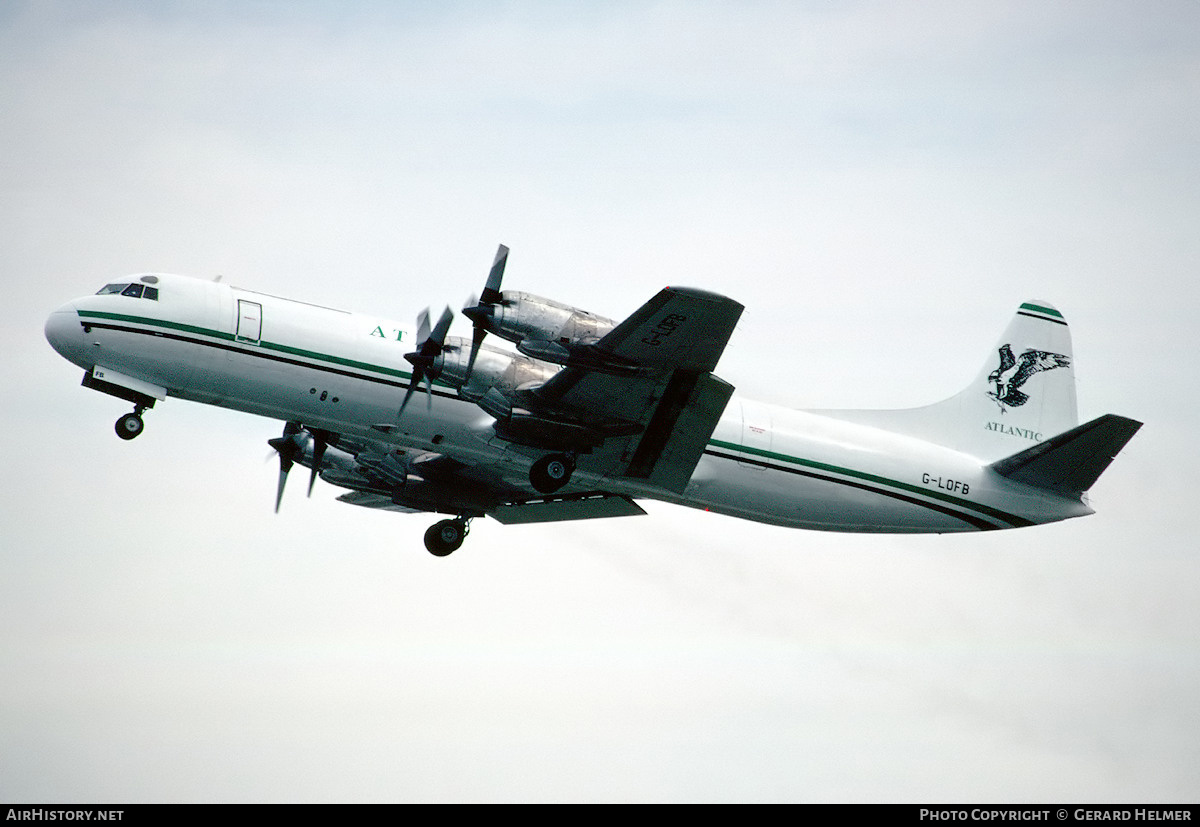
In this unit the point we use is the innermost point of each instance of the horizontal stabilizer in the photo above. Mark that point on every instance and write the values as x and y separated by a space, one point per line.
1072 461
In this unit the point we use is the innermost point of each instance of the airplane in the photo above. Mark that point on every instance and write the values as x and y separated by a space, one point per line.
585 416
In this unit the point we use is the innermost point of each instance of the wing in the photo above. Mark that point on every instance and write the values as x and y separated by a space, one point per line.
538 510
662 413
680 328
390 478
638 403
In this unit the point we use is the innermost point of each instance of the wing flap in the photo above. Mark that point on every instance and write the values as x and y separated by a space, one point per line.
582 507
673 401
681 426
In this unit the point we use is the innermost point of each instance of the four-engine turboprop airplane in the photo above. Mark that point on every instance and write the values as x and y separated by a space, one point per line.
588 415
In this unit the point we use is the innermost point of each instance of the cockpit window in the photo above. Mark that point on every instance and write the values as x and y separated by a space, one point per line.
136 291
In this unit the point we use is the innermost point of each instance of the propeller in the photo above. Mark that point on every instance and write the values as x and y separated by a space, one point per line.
290 446
481 310
430 344
321 439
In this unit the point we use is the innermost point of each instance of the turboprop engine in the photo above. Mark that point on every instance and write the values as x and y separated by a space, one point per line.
412 480
541 328
476 373
497 381
493 369
547 333
517 316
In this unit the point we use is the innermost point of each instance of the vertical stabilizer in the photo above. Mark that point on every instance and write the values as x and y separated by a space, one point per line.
1023 394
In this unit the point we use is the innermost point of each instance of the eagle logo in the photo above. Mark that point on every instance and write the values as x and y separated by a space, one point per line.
1015 372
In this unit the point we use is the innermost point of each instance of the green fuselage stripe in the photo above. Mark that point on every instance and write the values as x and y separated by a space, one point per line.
336 360
248 345
994 513
186 328
249 349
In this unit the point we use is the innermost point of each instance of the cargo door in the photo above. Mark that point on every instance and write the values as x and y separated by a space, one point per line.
249 324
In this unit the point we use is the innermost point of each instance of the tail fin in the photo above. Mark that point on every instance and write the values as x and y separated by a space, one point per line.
1072 461
1023 394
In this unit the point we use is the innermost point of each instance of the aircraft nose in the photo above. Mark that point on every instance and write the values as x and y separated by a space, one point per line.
65 334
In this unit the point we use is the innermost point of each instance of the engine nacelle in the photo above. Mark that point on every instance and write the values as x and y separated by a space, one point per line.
343 469
493 369
407 480
518 316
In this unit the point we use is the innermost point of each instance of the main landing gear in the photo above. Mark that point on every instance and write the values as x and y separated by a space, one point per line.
131 424
552 472
446 536
547 475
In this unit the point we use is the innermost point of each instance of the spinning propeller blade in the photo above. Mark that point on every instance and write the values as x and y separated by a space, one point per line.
320 443
481 310
430 345
289 447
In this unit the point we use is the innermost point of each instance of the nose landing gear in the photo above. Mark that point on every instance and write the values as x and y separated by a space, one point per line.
446 536
131 424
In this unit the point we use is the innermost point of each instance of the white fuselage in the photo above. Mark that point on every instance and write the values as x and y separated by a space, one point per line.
345 373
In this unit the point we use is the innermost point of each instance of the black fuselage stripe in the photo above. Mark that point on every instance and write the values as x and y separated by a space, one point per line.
967 518
970 519
1040 316
259 354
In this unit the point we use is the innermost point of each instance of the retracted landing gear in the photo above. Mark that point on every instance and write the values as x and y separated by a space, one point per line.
446 536
131 424
552 472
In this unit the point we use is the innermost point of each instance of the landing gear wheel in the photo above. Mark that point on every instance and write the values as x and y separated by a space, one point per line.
445 537
551 472
129 426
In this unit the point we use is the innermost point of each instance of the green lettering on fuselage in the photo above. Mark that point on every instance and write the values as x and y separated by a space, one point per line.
378 331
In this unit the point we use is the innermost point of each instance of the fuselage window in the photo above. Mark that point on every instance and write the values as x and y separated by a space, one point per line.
134 290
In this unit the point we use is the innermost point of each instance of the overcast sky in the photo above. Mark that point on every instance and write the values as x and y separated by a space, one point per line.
880 184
